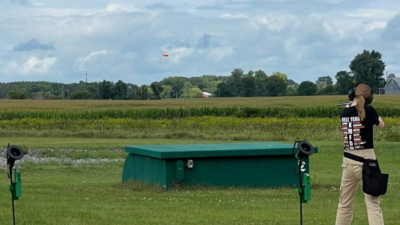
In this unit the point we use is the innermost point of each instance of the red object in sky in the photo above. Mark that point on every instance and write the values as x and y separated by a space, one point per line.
165 54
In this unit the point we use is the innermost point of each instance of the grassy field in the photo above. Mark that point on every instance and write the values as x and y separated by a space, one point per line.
93 194
180 102
81 148
288 101
201 128
74 160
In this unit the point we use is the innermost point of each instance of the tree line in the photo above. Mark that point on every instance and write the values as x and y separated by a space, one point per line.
366 66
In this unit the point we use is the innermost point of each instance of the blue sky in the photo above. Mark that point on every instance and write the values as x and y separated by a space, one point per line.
56 40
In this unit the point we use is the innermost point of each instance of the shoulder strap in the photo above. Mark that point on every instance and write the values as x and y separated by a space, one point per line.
354 157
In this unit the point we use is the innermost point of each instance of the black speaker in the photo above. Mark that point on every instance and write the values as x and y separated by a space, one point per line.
305 149
352 93
14 153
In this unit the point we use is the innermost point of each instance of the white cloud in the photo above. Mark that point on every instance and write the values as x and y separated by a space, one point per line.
126 40
219 54
39 4
277 21
233 16
113 7
33 66
272 59
369 13
374 25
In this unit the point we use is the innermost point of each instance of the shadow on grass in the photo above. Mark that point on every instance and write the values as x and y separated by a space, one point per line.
138 186
325 186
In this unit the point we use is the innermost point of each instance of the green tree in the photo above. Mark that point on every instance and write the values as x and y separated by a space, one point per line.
224 90
5 88
283 76
260 79
157 89
235 81
176 83
204 82
143 92
92 89
276 85
344 82
368 67
195 92
16 95
291 90
151 94
293 83
166 93
79 95
324 79
134 92
213 87
121 90
186 90
307 88
329 89
249 85
106 89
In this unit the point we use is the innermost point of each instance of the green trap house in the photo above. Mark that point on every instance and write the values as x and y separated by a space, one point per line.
259 164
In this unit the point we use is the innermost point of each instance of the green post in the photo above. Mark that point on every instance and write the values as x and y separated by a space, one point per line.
306 185
305 189
15 187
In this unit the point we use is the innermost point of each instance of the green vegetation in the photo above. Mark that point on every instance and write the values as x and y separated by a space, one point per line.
367 67
75 191
81 148
230 119
200 128
93 194
90 143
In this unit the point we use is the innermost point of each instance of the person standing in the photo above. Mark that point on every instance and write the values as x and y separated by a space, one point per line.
357 121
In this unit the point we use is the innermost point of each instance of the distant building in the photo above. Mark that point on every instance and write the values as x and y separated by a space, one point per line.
206 94
392 86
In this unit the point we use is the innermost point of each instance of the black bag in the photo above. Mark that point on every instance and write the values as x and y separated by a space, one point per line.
374 182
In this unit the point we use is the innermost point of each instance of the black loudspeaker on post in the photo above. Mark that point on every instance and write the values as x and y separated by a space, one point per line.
14 153
305 149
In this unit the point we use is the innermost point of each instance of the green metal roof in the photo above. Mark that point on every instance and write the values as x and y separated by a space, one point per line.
213 150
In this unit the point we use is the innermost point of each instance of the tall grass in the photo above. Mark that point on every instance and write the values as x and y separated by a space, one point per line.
168 113
207 119
286 101
203 128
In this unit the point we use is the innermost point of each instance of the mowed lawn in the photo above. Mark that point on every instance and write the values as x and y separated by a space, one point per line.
93 194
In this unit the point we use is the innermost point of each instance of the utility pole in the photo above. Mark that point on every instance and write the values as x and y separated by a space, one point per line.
62 94
86 76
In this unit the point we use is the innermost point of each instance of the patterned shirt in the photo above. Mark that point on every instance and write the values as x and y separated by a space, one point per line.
358 135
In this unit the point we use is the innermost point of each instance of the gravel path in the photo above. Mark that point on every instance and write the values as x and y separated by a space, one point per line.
35 151
32 156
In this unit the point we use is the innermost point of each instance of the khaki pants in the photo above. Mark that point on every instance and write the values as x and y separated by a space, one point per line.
351 176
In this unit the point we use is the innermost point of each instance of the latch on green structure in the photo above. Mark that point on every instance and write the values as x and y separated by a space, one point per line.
305 190
15 187
179 171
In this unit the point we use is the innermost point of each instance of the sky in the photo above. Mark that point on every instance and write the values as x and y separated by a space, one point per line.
57 41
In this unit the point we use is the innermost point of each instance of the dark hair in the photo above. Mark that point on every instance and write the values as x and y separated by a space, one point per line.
362 91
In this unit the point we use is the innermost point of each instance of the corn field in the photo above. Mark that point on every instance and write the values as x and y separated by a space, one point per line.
170 113
291 118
